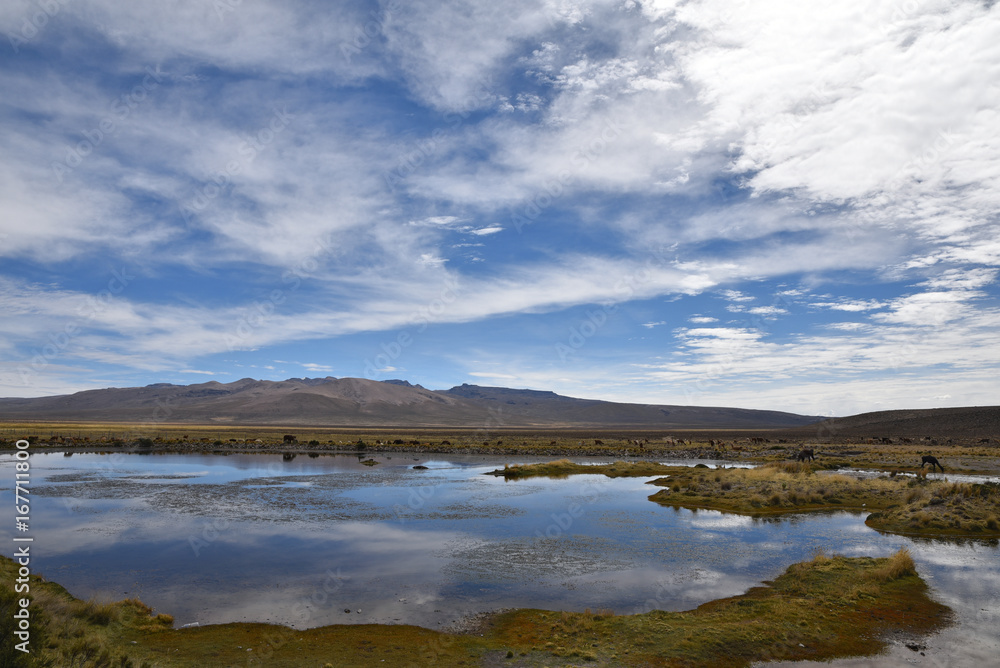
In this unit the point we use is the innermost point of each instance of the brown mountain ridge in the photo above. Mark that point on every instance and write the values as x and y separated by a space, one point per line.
349 402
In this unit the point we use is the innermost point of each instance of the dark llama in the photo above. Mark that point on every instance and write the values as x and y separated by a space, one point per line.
930 459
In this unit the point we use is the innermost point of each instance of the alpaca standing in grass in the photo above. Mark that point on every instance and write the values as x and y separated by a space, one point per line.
806 454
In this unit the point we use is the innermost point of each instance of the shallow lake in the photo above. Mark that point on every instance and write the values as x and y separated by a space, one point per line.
314 541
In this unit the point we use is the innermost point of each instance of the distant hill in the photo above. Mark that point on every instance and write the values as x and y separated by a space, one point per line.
335 402
532 405
966 422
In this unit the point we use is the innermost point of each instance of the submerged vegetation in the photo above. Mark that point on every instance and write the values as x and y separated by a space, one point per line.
812 611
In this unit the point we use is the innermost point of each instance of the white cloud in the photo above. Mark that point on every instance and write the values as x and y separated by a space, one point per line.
436 220
926 309
429 259
450 50
922 360
486 230
847 326
767 310
962 279
312 366
723 333
736 296
854 306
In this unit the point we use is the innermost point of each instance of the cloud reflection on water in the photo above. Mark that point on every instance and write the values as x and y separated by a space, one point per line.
254 539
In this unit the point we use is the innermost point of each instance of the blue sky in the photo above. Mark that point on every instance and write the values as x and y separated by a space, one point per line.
761 204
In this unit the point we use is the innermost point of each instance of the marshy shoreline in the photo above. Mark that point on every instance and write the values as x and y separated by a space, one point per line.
811 611
897 607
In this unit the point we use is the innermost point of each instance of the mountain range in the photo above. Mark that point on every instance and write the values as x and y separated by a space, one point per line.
357 402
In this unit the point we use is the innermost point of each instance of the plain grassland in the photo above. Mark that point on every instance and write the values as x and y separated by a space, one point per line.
812 611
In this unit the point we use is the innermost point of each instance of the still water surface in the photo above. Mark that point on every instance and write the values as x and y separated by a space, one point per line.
313 541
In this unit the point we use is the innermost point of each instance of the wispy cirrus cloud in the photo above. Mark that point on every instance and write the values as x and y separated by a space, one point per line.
816 186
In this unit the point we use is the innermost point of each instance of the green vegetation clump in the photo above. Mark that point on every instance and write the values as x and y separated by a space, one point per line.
66 631
943 509
777 487
563 467
903 504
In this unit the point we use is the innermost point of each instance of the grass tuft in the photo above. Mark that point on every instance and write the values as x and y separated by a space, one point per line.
897 566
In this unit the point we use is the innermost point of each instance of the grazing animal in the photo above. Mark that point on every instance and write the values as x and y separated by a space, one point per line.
290 438
805 454
598 441
930 459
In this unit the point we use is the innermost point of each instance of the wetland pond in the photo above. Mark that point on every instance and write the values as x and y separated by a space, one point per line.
329 540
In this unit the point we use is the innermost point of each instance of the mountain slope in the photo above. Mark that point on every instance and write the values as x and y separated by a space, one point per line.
963 422
533 405
361 402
